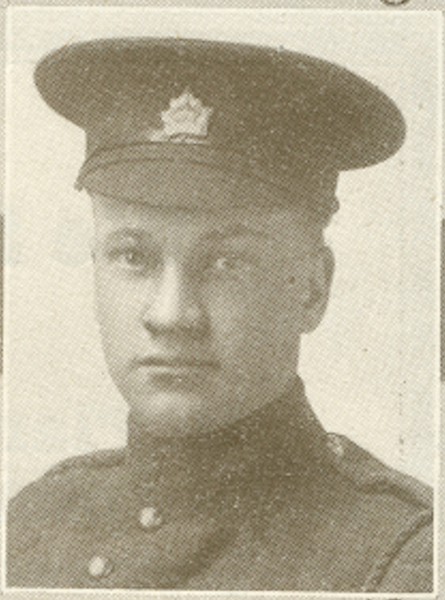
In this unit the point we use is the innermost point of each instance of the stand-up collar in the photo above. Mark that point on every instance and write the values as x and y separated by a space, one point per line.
283 438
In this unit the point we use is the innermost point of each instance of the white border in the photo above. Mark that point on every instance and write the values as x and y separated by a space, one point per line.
38 592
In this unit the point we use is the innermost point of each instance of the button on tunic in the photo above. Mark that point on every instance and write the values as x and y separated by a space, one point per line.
99 567
149 518
241 509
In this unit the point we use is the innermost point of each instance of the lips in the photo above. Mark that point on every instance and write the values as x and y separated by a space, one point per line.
177 363
178 373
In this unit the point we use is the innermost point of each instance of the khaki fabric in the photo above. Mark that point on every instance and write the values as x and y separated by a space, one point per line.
273 504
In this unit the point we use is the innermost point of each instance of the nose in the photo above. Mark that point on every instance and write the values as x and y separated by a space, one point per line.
175 307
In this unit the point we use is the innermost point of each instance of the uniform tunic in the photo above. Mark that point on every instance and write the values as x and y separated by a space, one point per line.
271 503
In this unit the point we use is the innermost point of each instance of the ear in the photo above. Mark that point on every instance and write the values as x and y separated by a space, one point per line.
320 275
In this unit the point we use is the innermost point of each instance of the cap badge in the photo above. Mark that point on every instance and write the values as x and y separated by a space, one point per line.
185 121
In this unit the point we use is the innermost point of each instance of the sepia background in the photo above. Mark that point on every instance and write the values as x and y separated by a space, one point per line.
370 369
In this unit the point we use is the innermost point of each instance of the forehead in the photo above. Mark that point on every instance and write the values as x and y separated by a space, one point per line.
164 223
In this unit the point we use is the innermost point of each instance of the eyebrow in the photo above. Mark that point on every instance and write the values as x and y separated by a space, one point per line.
126 233
234 231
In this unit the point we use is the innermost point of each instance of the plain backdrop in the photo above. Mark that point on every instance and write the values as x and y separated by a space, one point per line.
371 369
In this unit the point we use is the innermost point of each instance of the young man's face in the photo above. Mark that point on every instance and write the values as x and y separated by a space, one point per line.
201 312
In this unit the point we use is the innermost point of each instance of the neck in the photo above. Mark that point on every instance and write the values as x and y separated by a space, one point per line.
282 436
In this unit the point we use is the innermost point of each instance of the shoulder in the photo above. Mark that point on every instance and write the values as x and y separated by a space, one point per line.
95 460
394 513
357 526
54 495
367 473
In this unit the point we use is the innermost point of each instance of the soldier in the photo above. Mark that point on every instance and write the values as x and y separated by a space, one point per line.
212 169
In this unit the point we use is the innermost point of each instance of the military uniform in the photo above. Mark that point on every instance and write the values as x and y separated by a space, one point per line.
272 503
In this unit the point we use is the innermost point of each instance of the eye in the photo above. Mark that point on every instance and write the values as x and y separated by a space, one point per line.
225 263
133 258
230 264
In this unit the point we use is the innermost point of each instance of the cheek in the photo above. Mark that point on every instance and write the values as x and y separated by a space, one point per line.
256 319
117 313
107 299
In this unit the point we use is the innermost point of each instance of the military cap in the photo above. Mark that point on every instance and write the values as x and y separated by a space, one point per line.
228 122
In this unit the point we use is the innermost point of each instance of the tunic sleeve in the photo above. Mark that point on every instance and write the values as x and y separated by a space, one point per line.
411 568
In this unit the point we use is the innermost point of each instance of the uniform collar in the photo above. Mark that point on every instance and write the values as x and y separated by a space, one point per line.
282 439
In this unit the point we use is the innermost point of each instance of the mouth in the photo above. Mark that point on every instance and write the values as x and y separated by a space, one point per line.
178 373
178 363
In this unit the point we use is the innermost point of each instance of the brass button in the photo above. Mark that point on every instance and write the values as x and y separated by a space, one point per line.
99 567
149 518
335 445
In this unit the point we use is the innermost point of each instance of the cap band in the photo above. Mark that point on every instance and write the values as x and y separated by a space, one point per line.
207 178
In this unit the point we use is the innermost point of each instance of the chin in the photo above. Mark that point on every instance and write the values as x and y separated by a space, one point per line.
174 413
